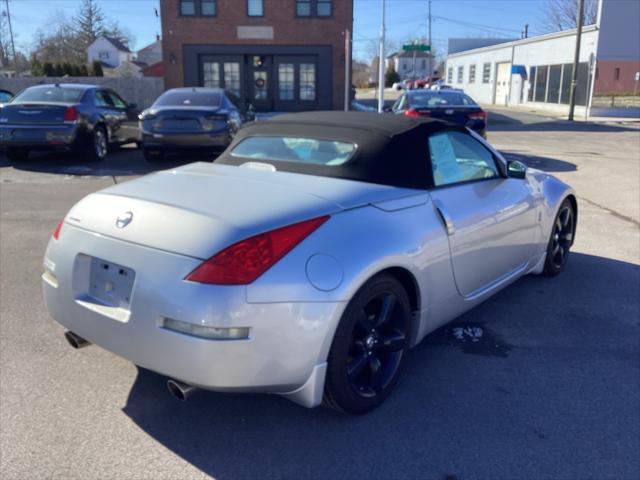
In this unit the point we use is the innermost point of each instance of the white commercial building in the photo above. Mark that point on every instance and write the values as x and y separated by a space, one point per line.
537 71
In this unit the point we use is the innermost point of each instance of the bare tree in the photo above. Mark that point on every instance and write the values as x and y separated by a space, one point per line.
563 14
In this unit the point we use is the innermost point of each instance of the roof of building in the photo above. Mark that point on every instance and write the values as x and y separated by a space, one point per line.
523 41
117 43
390 148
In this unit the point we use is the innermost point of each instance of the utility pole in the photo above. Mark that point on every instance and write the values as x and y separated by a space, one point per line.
13 45
576 61
347 70
381 64
429 77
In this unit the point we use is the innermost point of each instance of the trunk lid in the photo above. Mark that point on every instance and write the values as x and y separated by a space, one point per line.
187 119
199 209
33 113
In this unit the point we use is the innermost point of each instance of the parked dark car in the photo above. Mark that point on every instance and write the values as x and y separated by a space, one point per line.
86 120
5 96
452 106
192 118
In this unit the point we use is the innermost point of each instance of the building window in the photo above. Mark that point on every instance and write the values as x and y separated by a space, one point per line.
616 74
486 73
187 7
307 81
541 83
460 74
450 75
103 55
472 74
323 8
318 8
208 8
232 77
303 8
555 79
285 81
211 74
255 8
532 84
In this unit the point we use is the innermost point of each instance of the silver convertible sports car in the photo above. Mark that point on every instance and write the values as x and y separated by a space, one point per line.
307 259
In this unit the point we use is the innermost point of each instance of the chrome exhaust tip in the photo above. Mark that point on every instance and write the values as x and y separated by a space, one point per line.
179 390
76 341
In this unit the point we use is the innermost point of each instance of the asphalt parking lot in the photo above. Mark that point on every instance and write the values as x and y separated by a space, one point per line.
542 381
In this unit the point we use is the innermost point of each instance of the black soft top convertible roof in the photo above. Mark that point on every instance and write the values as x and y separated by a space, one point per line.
392 149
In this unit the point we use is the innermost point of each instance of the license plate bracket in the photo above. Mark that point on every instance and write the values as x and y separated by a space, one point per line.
110 284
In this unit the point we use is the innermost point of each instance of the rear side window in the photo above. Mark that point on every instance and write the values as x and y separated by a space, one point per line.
189 98
50 94
298 150
457 157
102 99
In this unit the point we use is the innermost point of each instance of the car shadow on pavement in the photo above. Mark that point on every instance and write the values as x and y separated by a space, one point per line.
544 371
541 163
498 122
122 162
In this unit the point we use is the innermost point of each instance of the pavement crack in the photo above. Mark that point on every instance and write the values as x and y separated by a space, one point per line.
611 212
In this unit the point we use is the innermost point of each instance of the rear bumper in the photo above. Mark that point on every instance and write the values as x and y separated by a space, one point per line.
213 140
285 345
44 137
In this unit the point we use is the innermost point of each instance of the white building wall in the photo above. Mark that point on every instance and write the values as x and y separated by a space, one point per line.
557 48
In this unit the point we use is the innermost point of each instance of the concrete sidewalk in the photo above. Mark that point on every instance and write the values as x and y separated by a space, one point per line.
562 116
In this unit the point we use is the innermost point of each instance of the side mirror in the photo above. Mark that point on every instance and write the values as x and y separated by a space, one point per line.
516 169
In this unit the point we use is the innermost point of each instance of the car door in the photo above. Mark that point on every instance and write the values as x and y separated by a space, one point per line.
490 218
128 115
108 113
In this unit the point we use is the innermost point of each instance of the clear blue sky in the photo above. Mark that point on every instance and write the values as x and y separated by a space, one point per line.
406 19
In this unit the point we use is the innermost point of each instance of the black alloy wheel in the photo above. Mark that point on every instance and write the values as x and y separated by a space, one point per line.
562 235
369 347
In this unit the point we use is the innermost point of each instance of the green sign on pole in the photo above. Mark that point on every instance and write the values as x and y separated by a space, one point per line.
418 47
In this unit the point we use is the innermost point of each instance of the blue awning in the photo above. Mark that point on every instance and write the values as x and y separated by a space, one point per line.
519 70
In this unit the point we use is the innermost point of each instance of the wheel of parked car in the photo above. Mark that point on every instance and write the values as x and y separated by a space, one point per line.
97 149
561 239
17 154
152 155
369 347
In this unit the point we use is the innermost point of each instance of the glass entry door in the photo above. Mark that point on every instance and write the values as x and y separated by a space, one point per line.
222 72
260 82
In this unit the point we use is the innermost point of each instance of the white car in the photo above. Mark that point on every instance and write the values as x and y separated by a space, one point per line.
307 260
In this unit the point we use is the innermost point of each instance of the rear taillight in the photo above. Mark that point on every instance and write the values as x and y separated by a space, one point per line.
477 116
70 115
245 261
56 232
414 113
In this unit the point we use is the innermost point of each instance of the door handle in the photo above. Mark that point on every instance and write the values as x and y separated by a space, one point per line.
445 217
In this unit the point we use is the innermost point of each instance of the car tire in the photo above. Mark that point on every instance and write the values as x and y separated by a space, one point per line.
98 146
152 155
562 235
17 154
369 347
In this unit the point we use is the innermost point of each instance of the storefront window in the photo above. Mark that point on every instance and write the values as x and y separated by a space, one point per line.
541 83
307 81
532 83
285 81
211 74
555 72
232 77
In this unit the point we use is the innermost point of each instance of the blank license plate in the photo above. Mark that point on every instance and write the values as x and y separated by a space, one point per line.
110 283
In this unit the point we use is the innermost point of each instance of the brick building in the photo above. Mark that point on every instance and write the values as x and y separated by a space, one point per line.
281 55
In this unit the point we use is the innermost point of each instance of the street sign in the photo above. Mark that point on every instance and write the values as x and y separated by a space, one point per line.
418 47
637 76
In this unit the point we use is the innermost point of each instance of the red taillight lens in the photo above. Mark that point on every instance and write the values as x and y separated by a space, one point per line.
414 113
477 116
245 261
56 232
70 115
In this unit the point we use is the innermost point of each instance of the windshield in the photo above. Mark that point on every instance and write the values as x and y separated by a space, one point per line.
299 150
437 99
189 98
50 94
